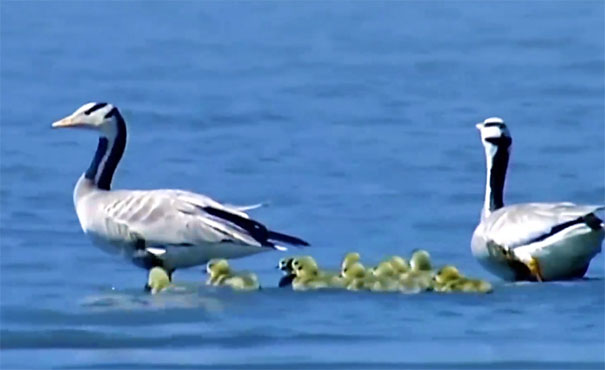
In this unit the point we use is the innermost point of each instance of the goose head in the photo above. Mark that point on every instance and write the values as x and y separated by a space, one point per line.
494 133
101 117
109 123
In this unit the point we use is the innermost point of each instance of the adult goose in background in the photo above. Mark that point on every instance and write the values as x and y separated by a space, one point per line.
531 241
167 228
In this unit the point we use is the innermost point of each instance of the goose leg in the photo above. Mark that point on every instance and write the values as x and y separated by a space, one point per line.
534 267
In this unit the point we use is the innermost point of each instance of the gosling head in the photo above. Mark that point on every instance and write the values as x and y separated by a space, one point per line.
399 264
285 265
353 271
157 280
217 267
349 259
305 267
384 269
447 273
421 261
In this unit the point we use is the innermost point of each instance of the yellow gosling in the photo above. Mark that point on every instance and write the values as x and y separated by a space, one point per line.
356 277
399 264
218 270
158 280
221 274
447 273
307 276
421 261
384 270
383 278
243 281
449 279
420 275
349 259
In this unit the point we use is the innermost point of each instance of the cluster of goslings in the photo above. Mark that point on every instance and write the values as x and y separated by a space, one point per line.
394 274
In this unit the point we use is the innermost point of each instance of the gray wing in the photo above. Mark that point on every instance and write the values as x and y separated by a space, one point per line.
172 217
520 224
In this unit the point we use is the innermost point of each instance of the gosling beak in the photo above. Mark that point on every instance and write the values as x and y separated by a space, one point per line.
147 288
68 121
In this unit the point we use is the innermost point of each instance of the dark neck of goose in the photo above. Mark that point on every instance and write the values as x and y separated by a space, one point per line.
109 152
497 162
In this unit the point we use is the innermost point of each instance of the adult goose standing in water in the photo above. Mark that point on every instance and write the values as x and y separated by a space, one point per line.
167 228
531 241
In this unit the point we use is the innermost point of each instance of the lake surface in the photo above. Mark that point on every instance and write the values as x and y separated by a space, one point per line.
355 120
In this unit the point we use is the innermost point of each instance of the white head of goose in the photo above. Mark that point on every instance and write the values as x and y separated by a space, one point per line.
167 228
531 241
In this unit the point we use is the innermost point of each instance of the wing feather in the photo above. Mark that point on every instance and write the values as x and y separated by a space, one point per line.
519 224
170 217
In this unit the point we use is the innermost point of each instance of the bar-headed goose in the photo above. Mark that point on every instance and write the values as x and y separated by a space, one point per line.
167 228
531 241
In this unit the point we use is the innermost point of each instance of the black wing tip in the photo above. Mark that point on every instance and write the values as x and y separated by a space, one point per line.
593 221
257 230
292 240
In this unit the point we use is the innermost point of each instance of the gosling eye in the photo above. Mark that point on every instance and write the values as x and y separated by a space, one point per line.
345 270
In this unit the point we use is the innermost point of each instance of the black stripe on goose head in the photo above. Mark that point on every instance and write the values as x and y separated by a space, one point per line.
494 124
95 107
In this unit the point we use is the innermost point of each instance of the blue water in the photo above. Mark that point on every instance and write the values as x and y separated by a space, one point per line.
355 120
